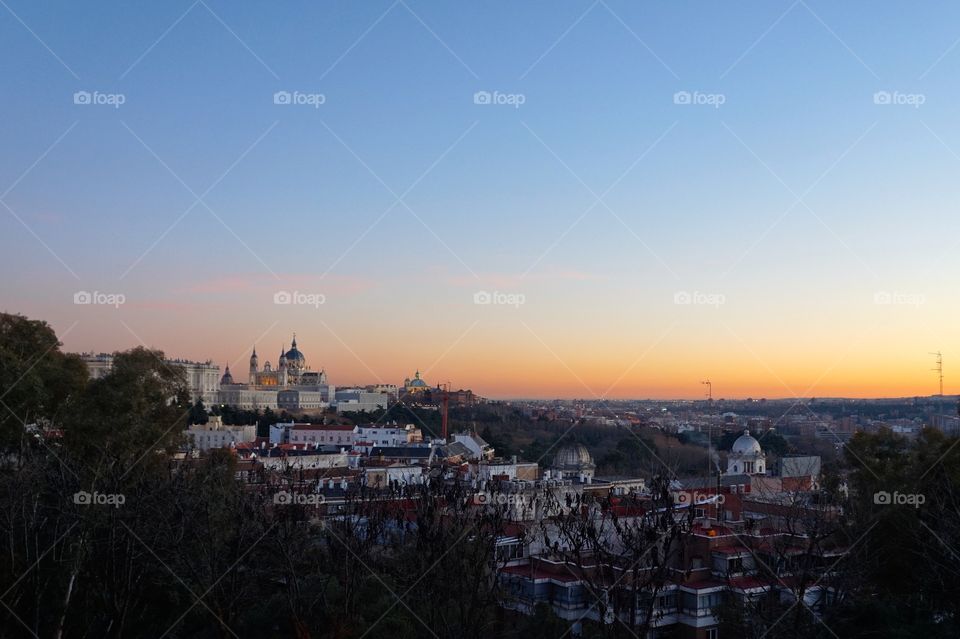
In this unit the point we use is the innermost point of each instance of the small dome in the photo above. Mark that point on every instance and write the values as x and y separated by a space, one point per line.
227 377
746 445
573 457
416 382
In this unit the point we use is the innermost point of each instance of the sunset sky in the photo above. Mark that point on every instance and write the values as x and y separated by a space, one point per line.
763 194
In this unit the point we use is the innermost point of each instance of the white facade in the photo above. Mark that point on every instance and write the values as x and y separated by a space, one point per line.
215 435
355 400
389 435
203 378
318 434
242 396
335 460
746 457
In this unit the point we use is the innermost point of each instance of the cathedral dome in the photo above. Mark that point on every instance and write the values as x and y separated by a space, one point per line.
293 358
746 445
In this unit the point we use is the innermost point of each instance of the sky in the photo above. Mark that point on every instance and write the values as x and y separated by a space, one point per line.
540 199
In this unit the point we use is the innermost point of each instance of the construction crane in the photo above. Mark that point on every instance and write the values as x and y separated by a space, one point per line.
709 389
939 370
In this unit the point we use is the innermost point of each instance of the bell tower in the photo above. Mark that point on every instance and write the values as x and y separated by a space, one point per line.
254 366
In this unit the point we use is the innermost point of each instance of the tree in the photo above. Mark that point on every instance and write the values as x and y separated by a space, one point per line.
38 381
198 413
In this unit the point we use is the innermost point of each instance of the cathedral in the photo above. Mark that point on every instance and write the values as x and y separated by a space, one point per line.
292 385
292 370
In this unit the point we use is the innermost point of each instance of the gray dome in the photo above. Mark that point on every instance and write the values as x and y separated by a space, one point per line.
573 457
746 445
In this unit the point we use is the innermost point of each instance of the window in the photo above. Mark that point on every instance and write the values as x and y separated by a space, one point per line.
706 603
713 633
667 602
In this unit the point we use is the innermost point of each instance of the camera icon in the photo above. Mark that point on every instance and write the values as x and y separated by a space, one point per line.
282 297
283 498
282 97
82 497
682 97
682 297
82 97
882 97
82 297
882 297
482 97
882 498
482 297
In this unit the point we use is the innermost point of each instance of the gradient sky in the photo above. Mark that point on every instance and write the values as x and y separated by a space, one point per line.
794 212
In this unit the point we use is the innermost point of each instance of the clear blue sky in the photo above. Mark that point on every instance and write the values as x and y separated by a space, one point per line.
707 208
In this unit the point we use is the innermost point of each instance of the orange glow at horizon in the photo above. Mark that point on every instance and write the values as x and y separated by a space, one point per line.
523 358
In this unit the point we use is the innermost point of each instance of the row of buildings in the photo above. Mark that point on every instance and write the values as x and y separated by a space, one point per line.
290 385
737 525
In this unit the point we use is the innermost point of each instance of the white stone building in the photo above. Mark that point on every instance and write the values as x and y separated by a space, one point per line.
746 457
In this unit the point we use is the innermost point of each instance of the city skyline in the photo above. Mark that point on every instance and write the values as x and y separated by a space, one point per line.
579 201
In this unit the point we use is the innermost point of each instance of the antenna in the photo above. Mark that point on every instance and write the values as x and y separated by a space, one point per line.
446 408
939 369
709 389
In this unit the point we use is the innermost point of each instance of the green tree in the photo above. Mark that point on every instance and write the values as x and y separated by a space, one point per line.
38 382
198 413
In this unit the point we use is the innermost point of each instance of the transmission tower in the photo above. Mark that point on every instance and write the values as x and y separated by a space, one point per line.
939 370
